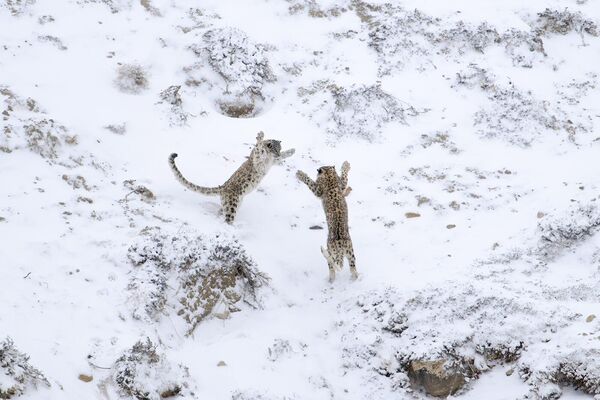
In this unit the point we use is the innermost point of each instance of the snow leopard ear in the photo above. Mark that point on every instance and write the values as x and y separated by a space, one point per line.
260 136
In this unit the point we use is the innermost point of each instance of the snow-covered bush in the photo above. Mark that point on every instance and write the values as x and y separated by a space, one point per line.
242 63
16 374
131 78
400 36
196 276
144 373
556 367
517 117
172 97
566 230
242 66
16 7
514 115
25 125
358 111
363 110
563 22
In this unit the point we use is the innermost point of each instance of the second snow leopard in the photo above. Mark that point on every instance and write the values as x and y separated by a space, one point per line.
247 177
332 190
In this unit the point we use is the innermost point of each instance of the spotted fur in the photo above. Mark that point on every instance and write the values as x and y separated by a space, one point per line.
247 177
332 190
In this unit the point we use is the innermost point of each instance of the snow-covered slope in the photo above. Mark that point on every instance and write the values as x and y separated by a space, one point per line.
472 132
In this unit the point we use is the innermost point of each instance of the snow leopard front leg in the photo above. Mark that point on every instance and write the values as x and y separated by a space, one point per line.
312 185
344 179
285 154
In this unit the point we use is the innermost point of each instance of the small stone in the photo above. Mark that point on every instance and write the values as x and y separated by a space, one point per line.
540 214
510 372
85 378
412 215
316 227
221 364
590 318
450 226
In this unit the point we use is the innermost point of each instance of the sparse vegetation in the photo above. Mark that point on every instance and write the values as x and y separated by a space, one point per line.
564 231
131 78
16 372
358 111
213 276
143 373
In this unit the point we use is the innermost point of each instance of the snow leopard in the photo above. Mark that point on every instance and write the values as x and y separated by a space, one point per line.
244 180
332 190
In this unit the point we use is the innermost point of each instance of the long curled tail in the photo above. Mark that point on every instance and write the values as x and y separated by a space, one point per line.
200 189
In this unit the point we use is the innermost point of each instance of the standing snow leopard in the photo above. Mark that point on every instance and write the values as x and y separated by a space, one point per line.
245 179
332 190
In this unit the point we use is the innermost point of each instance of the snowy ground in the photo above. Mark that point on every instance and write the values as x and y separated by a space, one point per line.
472 132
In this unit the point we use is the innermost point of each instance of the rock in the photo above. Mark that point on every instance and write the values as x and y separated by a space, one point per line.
85 378
316 227
540 214
510 372
437 380
172 392
412 215
450 226
221 364
590 318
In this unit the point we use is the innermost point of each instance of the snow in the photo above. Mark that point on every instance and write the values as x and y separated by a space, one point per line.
472 132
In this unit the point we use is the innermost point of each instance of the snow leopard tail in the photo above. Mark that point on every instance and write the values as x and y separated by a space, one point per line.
210 191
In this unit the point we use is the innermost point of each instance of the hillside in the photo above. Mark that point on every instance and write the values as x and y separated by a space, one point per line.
472 132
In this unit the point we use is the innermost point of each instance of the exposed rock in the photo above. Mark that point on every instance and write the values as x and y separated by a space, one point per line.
590 318
85 378
435 378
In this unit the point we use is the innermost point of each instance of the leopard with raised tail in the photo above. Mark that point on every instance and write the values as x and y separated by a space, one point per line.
244 180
